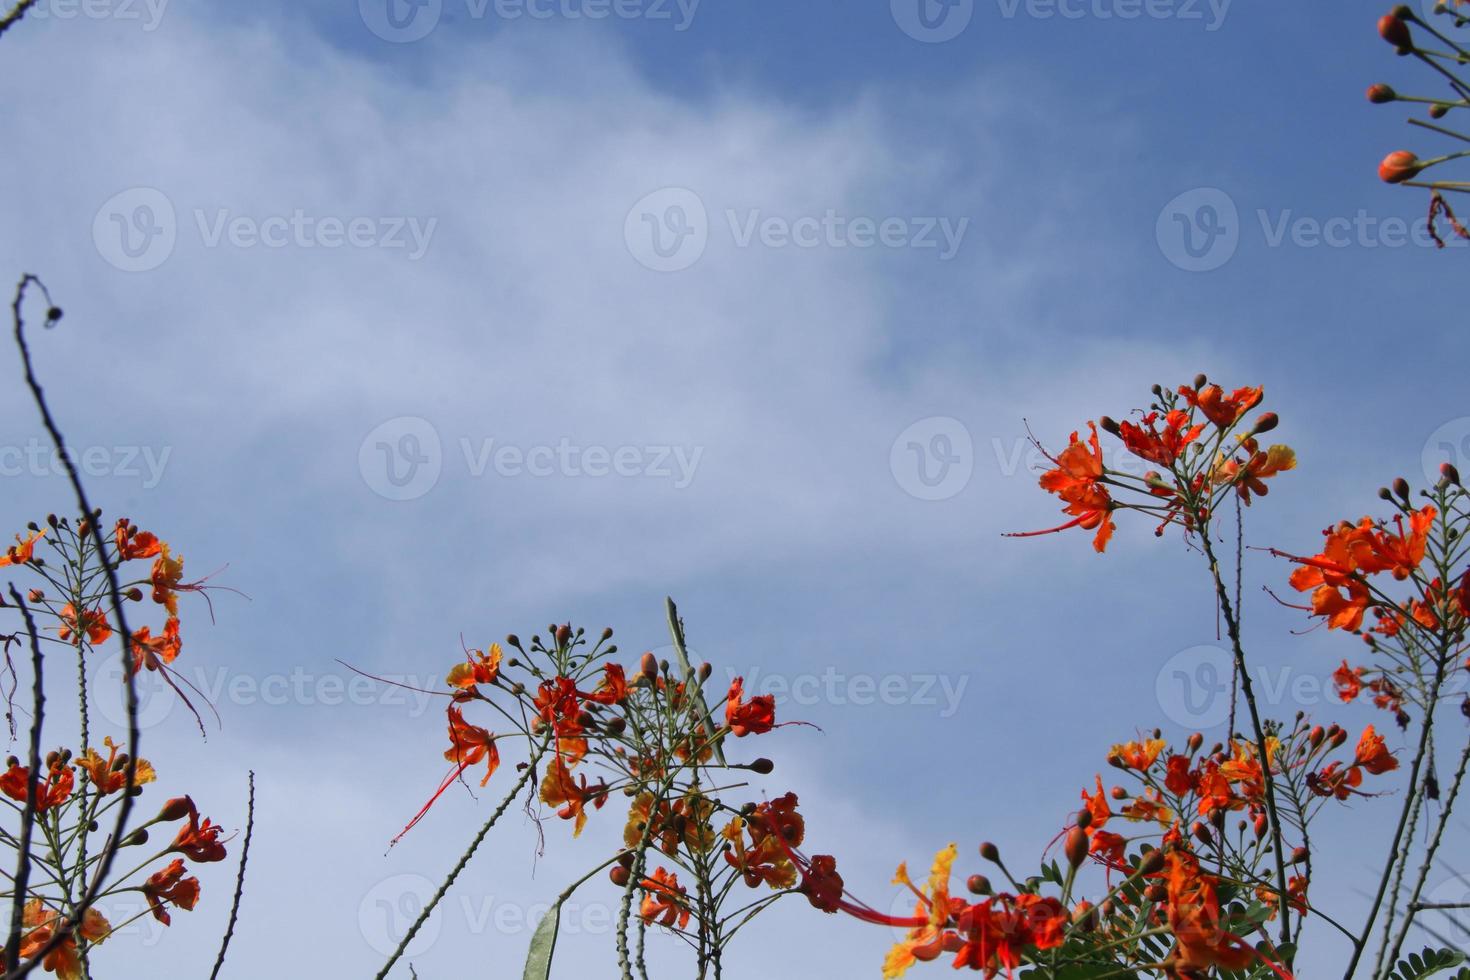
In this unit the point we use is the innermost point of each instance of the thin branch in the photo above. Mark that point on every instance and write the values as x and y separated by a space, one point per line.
239 881
28 816
124 634
16 13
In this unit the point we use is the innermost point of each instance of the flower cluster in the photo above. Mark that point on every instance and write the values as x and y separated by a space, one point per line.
592 730
1198 449
63 805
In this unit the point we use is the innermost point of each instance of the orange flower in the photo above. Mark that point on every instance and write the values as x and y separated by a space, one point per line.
1178 779
1348 681
23 551
478 668
559 789
170 885
199 841
1259 465
65 960
764 862
754 717
1077 481
1201 942
53 791
998 931
1373 754
132 544
1138 755
1221 409
1146 441
110 775
933 909
614 686
664 900
91 622
152 651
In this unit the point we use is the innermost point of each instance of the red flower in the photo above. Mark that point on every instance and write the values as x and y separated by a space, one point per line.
170 885
754 717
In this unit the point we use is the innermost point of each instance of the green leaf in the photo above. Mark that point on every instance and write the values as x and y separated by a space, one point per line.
1427 964
543 945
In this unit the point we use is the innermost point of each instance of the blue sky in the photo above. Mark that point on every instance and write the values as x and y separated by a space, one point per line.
529 157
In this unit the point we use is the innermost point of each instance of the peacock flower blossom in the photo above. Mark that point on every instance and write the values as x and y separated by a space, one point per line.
171 887
91 623
1373 755
479 668
754 717
23 552
111 774
665 901
1222 409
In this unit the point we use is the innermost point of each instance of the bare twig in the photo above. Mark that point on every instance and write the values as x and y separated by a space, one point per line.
239 882
124 634
15 14
28 816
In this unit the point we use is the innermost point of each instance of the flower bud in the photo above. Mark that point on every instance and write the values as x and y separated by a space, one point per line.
978 885
1151 862
1381 93
136 838
606 633
705 670
649 666
1438 111
1076 848
619 875
1084 818
1266 423
762 766
1084 917
1299 855
1401 487
176 809
1399 166
990 852
1391 28
1449 473
563 636
1201 833
1109 425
